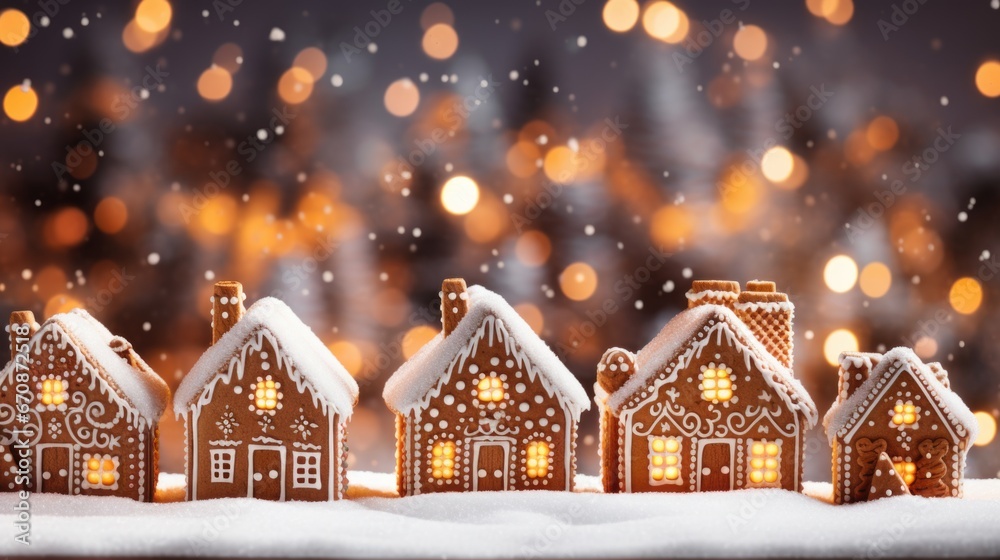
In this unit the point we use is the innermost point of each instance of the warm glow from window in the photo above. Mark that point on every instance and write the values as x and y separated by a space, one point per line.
402 97
266 395
537 462
840 273
840 340
777 164
578 281
664 460
764 462
988 78
620 15
101 471
440 41
443 462
750 42
459 195
716 384
490 389
14 27
966 295
987 428
906 470
54 392
20 103
153 16
904 414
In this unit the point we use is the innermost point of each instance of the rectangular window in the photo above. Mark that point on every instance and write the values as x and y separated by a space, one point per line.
222 464
765 464
305 470
664 460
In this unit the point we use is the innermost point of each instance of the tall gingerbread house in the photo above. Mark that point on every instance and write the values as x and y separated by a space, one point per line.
710 403
485 405
79 410
265 408
894 407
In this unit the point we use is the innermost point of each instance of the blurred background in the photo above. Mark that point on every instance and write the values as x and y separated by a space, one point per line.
585 159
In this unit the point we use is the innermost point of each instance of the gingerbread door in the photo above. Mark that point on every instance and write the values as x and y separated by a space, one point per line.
491 466
715 464
55 465
267 472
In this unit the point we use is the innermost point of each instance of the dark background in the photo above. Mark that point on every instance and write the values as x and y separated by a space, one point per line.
324 215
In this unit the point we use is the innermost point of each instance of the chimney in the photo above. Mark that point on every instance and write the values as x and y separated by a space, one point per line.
716 292
454 303
939 373
227 308
855 367
769 315
22 326
123 348
614 369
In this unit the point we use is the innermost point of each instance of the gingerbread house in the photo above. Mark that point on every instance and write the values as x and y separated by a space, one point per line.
711 402
895 408
265 408
79 410
485 405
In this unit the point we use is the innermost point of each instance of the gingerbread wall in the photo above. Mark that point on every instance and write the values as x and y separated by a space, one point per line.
241 449
716 436
490 437
927 444
87 440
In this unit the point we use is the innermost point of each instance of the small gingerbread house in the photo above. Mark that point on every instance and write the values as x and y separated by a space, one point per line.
711 402
894 407
485 405
265 408
79 410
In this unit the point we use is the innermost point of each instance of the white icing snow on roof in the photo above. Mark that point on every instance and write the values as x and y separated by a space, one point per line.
843 413
307 354
143 389
682 334
406 390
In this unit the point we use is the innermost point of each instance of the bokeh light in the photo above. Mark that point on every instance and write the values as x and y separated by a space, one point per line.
295 85
14 27
402 97
988 78
313 61
459 195
875 280
882 133
531 315
20 102
440 41
215 83
620 15
840 340
349 355
111 215
578 281
416 338
664 21
153 16
987 428
777 164
840 273
966 295
533 248
750 42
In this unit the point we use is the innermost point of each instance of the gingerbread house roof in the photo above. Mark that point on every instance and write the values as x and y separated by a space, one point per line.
845 414
145 392
310 362
411 386
685 335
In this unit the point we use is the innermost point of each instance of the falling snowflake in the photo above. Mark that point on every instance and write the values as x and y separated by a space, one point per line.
227 423
303 426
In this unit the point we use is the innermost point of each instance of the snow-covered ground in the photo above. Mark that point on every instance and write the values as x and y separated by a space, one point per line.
585 523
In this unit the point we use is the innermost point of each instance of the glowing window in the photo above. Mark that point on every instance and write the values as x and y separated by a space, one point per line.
490 389
904 415
222 464
907 470
305 470
716 383
54 392
266 395
664 460
537 461
101 472
765 463
443 461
